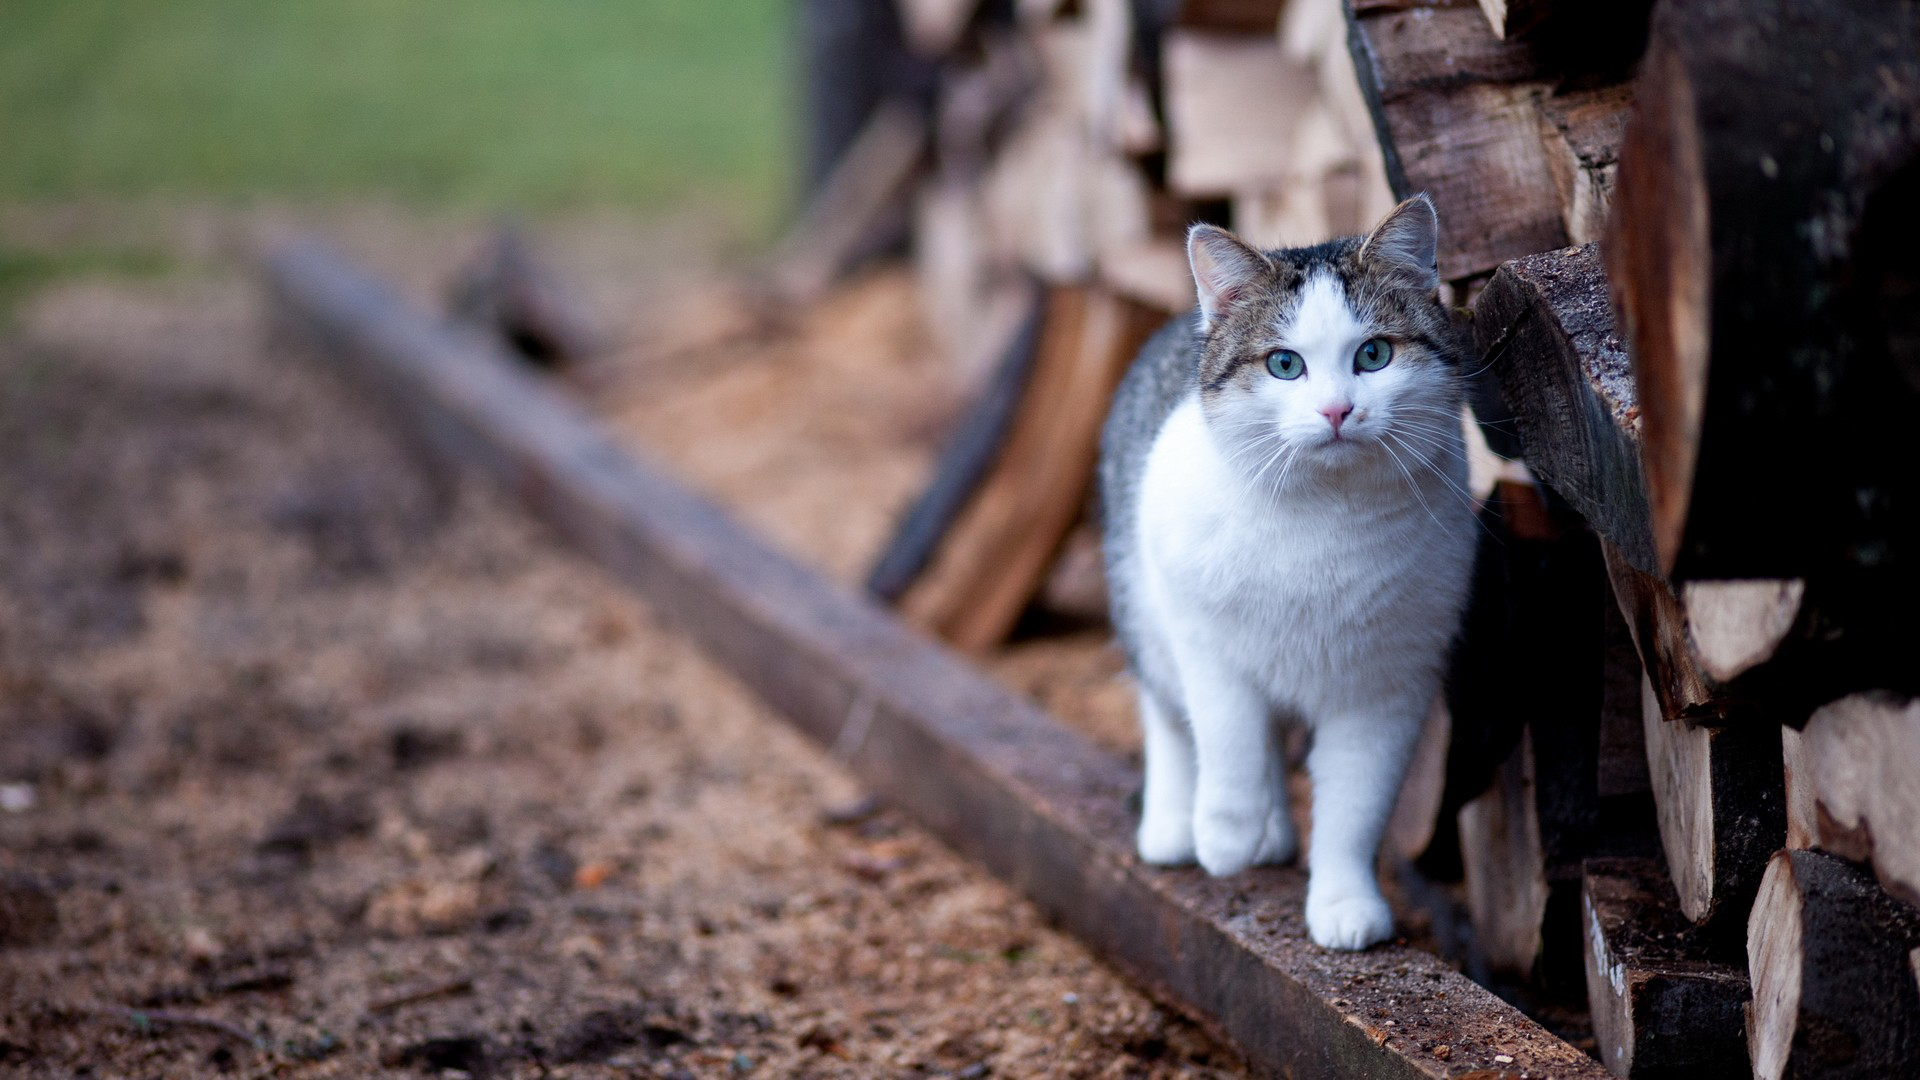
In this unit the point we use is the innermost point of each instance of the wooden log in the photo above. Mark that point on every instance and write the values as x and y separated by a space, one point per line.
979 766
1505 868
872 180
1547 331
1721 806
1857 786
1012 330
1453 108
1734 627
1662 1005
1753 255
1582 130
1833 989
1217 145
997 553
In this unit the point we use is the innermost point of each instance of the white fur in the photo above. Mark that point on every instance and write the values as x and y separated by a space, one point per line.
1284 574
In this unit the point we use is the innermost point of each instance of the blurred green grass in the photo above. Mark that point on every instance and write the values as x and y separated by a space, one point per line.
462 104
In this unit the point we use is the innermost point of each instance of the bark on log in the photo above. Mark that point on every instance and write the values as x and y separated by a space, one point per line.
1662 1006
1721 806
1833 990
1544 325
1768 194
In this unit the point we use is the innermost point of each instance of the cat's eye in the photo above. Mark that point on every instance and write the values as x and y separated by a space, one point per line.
1373 354
1286 364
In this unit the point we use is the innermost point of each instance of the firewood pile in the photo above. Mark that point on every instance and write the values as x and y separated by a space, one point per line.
1682 765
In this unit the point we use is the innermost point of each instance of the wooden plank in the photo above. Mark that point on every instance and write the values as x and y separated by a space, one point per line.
979 766
1662 1005
1828 954
997 553
1505 868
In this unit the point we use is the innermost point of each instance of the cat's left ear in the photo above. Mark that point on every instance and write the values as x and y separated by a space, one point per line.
1405 244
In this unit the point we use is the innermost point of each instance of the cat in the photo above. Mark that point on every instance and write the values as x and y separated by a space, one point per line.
1288 537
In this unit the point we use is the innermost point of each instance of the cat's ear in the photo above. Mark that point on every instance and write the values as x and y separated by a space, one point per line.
1405 243
1224 268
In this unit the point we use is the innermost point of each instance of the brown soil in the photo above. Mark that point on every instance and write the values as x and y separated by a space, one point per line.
316 765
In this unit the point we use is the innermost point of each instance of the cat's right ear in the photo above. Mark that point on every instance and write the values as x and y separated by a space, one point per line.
1224 268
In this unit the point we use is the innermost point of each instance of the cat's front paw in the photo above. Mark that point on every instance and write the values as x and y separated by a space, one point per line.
1348 922
1227 842
1165 839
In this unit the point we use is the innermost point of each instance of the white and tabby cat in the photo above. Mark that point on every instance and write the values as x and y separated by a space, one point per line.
1288 538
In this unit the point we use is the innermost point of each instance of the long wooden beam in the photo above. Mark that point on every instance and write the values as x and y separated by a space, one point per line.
981 767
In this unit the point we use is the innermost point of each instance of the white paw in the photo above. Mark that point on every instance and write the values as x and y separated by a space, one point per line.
1280 845
1228 842
1349 922
1165 839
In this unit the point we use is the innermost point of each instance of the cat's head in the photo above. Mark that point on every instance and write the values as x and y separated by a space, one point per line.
1328 355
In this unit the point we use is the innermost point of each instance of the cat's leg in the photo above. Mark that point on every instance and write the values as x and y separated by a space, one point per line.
1281 844
1166 812
1357 763
1234 795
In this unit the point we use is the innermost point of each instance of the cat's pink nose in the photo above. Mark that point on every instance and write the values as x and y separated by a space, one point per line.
1336 414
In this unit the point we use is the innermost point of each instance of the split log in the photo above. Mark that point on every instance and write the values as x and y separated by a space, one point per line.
1759 250
1011 330
997 553
1721 807
1833 989
1662 1006
872 181
1217 143
1505 868
1528 688
1453 108
1734 627
1854 773
1545 327
1582 130
1153 273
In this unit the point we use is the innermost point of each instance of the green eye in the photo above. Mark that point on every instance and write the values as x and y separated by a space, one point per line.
1286 364
1373 355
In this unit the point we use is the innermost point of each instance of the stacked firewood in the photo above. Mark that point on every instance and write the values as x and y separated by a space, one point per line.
1682 771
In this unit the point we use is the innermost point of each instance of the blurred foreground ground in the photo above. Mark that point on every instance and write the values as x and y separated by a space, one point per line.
356 763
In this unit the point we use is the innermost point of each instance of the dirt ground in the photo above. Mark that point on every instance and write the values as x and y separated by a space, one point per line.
314 764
